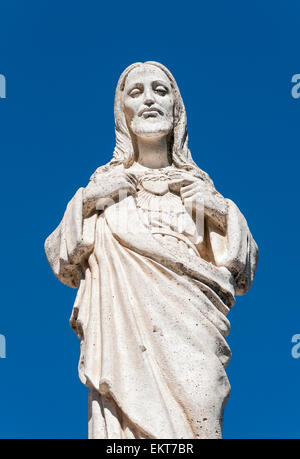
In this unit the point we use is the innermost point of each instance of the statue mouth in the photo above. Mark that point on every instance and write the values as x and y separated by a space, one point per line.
150 112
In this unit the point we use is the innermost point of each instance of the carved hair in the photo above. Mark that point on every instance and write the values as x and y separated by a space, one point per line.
124 152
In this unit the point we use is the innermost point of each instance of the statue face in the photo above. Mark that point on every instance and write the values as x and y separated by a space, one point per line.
148 102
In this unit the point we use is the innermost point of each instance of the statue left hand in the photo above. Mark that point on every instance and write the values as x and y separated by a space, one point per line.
198 195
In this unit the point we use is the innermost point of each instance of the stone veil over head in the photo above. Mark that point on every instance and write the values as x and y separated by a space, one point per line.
125 151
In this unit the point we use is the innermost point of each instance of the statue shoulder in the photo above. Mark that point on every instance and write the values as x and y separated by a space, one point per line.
99 171
105 169
206 179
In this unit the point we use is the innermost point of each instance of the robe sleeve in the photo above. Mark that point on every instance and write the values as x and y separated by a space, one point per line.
70 244
235 250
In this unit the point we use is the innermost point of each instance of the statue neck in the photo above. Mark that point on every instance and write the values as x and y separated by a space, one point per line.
153 152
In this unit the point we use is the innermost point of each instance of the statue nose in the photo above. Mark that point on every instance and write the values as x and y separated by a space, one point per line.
149 102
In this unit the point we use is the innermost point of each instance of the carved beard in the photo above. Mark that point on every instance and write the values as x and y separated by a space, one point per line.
151 127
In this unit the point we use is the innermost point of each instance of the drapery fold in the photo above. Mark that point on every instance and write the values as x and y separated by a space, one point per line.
151 318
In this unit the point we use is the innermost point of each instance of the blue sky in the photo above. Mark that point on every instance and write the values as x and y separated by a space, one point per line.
233 62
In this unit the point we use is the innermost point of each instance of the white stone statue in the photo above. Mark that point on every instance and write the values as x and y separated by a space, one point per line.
155 282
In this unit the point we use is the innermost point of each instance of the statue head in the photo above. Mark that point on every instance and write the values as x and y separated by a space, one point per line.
148 103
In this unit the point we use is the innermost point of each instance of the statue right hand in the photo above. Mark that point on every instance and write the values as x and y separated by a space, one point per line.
107 188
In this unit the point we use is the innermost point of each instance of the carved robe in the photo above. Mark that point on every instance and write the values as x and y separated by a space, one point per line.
151 311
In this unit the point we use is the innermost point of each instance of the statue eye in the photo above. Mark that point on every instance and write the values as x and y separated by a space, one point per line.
162 91
135 92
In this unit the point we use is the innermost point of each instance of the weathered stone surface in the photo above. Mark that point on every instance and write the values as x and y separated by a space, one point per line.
158 256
